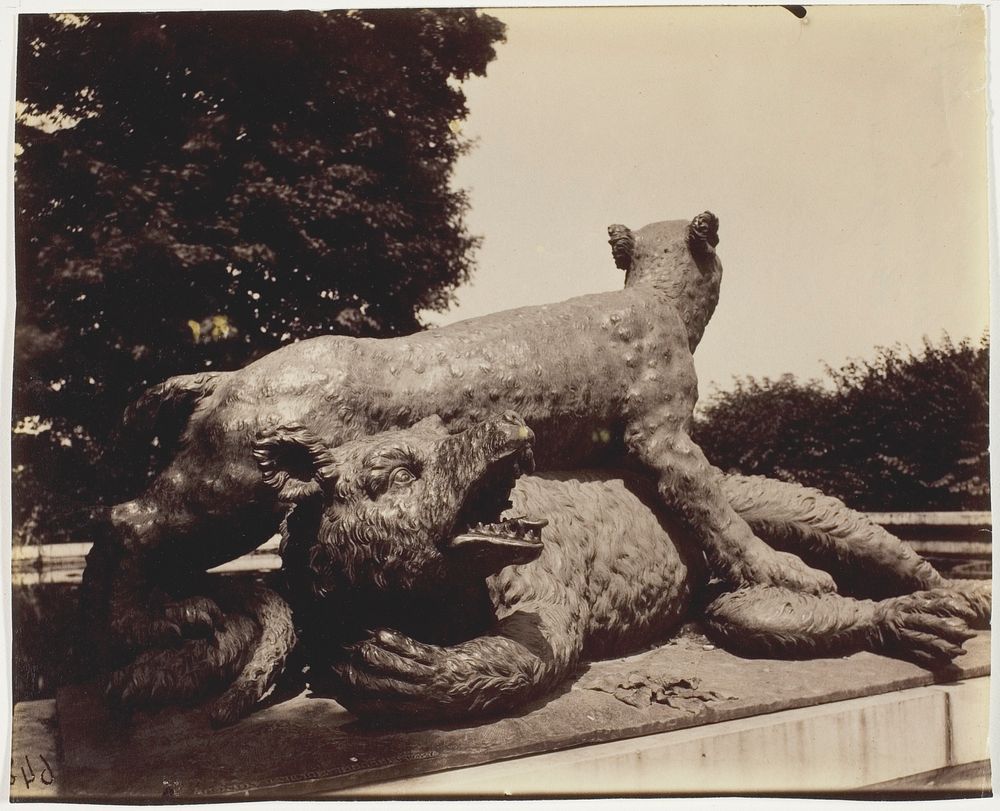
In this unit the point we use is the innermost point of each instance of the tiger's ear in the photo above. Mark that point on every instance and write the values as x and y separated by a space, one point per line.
622 242
294 462
703 233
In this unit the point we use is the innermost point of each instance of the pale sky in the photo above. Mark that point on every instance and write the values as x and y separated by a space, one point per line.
845 156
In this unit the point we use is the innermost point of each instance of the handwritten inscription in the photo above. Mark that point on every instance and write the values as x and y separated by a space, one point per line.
29 769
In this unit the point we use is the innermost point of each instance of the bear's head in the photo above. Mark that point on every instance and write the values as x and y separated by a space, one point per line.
404 508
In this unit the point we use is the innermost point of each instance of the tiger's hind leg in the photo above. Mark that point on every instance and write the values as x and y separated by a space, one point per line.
927 627
865 559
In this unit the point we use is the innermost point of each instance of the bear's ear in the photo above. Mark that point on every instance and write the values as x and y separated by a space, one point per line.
703 233
622 242
430 425
292 460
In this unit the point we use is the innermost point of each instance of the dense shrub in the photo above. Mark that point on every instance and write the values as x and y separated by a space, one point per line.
905 431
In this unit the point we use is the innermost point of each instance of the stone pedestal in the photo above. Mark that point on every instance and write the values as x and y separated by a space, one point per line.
764 726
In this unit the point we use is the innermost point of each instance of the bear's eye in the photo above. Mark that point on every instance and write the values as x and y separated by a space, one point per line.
401 476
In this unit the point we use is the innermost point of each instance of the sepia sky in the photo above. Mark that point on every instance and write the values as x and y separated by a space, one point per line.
845 156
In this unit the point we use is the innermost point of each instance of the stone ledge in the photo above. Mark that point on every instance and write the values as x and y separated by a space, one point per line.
946 533
841 747
309 746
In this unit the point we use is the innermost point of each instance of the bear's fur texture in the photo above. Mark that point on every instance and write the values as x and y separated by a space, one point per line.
605 379
404 487
402 532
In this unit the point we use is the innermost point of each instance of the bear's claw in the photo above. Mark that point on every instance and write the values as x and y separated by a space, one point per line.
233 705
195 616
137 630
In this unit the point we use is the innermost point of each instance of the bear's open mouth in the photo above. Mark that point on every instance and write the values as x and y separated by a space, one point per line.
515 532
479 527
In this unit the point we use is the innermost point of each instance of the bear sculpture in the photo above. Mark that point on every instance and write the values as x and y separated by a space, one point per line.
487 587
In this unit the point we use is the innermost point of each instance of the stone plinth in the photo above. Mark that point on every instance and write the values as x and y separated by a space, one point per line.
308 746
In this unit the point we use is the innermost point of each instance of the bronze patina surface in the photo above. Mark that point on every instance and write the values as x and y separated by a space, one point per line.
429 581
603 379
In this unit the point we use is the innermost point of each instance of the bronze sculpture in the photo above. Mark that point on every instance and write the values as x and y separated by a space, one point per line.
605 379
486 590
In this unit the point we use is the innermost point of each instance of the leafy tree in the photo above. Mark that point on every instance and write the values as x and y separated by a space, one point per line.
196 189
902 432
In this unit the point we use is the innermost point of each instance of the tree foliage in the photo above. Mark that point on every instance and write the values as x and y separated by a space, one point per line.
196 189
904 431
